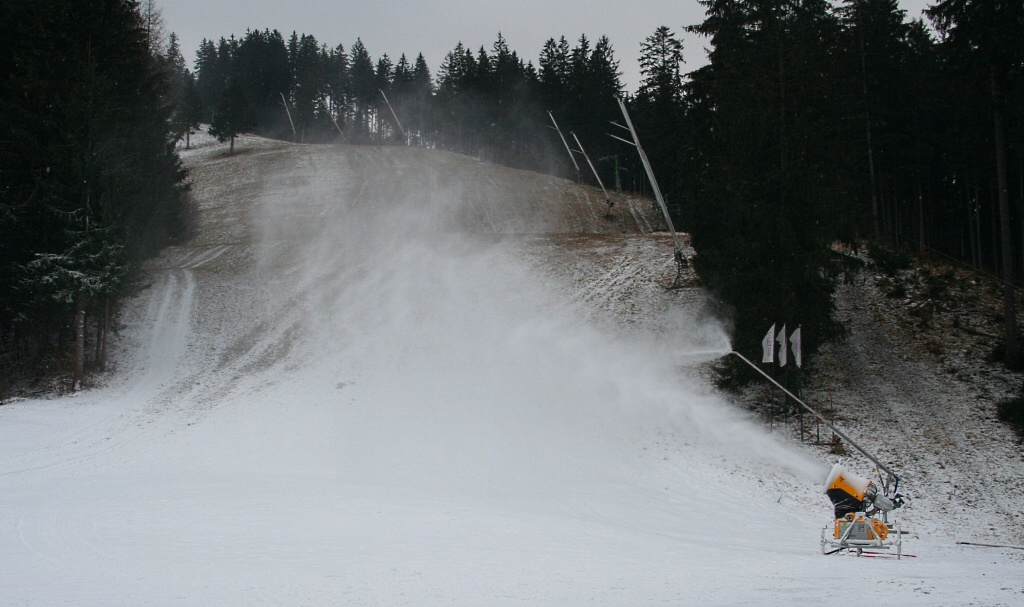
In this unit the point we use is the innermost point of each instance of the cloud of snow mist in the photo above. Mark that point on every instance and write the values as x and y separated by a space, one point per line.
432 351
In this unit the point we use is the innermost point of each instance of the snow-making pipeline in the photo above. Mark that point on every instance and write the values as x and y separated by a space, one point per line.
893 478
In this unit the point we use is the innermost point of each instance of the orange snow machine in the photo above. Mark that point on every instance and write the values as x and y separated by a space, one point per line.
861 515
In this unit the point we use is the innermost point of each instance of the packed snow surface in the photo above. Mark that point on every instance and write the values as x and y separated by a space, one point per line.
390 376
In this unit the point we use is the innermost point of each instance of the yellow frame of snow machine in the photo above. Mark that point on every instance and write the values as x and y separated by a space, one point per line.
857 531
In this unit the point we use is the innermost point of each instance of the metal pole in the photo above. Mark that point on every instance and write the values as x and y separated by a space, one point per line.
331 116
680 260
295 135
607 198
650 175
838 432
566 144
404 136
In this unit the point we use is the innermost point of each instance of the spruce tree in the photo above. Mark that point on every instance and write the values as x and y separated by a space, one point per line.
767 180
362 88
92 182
984 37
232 118
336 85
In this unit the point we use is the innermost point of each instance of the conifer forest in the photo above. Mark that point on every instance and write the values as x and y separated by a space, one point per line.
799 125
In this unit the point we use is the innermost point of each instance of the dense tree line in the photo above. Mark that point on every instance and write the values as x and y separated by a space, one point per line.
486 103
90 182
816 123
811 123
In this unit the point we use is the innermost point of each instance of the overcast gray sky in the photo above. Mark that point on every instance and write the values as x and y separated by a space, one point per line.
433 28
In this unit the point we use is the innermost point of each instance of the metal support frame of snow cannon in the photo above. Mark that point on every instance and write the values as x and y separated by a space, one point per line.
856 532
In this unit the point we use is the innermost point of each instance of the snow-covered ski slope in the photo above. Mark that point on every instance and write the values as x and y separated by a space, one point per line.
390 376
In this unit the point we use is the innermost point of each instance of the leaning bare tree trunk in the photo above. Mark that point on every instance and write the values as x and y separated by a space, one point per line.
1009 305
871 151
106 332
79 345
101 337
920 216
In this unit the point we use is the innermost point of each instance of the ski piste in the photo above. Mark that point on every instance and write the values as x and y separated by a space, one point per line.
310 416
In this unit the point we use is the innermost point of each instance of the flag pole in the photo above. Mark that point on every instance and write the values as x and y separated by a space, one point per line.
768 356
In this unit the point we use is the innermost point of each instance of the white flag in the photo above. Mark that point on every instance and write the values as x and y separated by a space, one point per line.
768 346
782 348
794 343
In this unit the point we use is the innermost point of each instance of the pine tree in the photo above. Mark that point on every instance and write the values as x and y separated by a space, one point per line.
767 177
233 116
261 65
554 74
308 86
661 57
421 106
94 185
455 81
362 87
873 48
211 77
383 75
188 111
985 37
336 84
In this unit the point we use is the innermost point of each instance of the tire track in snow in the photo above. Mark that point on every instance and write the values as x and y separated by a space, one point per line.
168 312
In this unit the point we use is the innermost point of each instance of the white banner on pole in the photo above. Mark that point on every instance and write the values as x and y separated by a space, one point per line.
768 346
782 346
797 347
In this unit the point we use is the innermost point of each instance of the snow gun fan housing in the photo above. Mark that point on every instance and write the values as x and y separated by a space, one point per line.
852 493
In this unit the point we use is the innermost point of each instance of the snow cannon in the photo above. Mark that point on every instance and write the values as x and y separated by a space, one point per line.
852 493
858 504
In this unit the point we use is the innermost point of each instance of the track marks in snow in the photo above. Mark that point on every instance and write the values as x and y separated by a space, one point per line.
198 258
169 337
151 372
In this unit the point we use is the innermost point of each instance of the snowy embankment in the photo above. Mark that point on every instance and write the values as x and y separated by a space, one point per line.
396 376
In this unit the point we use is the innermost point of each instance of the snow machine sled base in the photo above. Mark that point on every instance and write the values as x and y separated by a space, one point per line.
857 532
